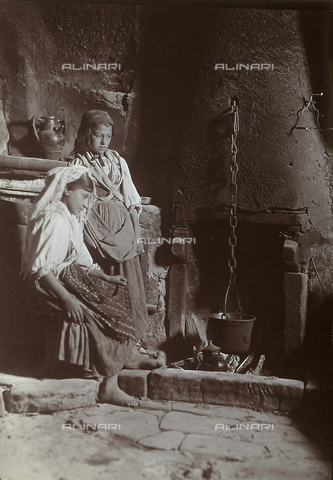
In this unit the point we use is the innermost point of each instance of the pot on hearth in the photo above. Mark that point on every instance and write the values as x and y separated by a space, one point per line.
211 358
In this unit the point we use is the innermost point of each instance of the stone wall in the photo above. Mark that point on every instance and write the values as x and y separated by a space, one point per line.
44 46
282 170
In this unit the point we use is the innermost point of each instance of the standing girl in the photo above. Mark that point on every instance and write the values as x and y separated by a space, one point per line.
97 330
112 229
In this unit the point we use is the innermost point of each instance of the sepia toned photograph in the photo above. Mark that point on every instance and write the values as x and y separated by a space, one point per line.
166 239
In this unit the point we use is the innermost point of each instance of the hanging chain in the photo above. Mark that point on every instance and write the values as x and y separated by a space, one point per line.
232 263
233 193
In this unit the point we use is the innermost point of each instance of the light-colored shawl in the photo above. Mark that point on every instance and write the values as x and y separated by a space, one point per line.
129 194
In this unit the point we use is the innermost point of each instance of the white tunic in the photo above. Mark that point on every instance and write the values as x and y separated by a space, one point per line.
56 241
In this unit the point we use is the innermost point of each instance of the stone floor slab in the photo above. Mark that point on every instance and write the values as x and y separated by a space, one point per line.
244 430
132 425
189 423
170 440
300 452
223 448
233 413
263 434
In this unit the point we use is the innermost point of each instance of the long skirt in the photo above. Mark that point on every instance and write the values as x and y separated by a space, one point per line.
102 343
110 235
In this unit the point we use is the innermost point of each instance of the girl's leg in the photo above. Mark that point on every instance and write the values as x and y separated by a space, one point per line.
131 270
109 392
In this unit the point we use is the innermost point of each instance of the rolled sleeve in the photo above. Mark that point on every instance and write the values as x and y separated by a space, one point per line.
49 246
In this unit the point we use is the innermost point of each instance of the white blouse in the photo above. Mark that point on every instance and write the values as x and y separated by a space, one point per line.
55 242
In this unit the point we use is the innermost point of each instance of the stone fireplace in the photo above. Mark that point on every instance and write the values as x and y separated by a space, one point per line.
271 263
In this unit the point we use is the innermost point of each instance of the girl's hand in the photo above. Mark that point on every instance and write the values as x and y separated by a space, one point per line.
137 232
139 247
72 306
117 279
73 309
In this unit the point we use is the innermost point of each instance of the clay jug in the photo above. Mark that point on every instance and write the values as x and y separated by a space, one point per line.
50 135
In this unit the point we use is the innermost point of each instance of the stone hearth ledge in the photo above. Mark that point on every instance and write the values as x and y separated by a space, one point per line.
230 389
23 394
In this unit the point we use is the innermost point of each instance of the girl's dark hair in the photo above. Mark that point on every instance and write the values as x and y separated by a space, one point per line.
83 135
84 182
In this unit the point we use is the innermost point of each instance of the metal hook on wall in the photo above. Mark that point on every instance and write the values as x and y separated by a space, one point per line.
223 126
311 106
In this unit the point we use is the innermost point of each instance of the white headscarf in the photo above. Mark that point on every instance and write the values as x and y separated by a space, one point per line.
55 184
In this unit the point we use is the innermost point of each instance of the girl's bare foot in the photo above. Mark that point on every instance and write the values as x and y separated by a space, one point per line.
109 392
138 360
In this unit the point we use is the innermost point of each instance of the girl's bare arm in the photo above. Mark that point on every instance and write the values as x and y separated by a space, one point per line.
108 278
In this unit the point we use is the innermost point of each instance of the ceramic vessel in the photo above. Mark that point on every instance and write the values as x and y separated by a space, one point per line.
50 135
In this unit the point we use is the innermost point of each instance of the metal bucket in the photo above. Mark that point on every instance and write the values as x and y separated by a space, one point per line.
231 331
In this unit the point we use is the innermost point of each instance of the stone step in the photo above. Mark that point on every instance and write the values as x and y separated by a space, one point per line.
24 394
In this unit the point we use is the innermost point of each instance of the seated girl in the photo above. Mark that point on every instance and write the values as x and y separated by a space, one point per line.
97 328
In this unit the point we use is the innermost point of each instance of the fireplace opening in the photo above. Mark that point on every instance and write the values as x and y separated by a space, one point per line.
259 278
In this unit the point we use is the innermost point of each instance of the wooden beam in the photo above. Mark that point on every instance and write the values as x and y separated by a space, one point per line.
16 192
22 173
30 163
